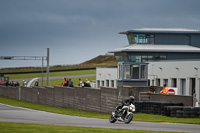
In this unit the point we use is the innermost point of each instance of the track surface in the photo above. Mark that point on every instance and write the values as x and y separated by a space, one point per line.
23 115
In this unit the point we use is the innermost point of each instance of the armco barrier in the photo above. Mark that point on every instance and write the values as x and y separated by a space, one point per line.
102 100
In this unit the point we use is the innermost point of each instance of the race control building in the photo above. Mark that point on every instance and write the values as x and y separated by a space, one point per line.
154 57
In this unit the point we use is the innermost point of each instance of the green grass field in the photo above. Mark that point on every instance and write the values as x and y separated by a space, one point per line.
35 128
51 74
55 82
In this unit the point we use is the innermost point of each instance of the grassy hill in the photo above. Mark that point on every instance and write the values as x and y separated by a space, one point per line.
101 60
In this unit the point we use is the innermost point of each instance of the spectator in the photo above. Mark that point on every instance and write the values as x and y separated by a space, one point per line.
17 83
2 81
6 83
71 83
36 83
80 83
24 83
64 81
87 83
12 83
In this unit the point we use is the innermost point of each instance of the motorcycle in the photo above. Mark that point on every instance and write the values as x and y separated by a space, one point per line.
123 115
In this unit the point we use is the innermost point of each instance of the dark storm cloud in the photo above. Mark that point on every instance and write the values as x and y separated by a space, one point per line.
74 27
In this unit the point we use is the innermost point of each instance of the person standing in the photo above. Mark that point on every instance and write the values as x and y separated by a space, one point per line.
164 90
24 83
80 83
71 83
87 83
36 83
64 81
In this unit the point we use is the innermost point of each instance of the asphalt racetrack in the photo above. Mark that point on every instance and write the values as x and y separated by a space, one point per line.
23 115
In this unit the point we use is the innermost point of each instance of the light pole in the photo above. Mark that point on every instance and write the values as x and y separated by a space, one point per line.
161 80
178 80
47 66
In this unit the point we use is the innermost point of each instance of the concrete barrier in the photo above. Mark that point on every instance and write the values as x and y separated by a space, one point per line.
103 100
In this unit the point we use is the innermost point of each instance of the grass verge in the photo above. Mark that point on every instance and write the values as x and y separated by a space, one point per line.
35 128
75 112
52 74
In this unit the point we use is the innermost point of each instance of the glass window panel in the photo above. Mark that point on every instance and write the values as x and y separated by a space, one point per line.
119 71
134 71
102 83
107 83
112 83
131 39
126 71
141 38
150 57
143 72
138 59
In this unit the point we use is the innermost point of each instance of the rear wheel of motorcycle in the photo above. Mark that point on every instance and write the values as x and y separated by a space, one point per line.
112 119
129 118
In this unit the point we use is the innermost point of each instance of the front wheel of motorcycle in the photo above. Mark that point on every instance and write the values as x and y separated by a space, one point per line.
128 118
112 119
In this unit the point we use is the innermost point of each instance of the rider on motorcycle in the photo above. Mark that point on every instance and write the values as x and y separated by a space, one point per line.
124 102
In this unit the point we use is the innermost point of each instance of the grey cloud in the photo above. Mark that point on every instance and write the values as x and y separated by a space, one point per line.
93 25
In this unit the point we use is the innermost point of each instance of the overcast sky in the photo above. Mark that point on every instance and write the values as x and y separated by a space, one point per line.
79 30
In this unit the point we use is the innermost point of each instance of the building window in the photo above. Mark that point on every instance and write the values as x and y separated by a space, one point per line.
134 71
183 86
126 71
143 72
140 38
120 71
107 83
160 57
134 58
152 83
131 39
112 83
144 58
174 82
98 83
102 83
158 82
165 81
150 39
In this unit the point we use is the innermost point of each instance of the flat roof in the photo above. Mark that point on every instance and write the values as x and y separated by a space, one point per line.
162 30
156 48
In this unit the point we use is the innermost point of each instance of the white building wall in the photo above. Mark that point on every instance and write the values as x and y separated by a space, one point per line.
165 71
106 73
182 71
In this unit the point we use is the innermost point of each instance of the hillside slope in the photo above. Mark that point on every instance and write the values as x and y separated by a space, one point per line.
101 60
107 60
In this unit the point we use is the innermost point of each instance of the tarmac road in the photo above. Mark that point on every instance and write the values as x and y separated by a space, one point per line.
23 115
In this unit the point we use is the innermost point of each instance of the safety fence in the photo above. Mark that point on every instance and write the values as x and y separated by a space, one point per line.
167 109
